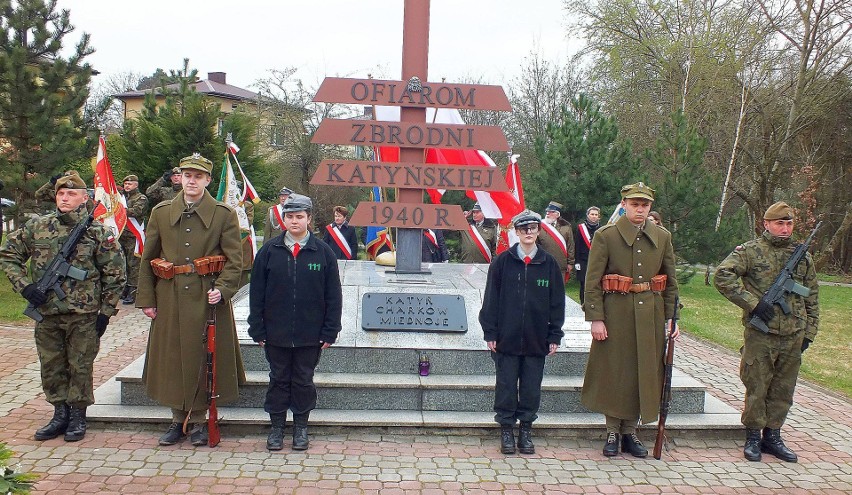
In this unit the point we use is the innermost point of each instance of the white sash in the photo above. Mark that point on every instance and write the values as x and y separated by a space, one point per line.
551 230
584 233
339 240
480 242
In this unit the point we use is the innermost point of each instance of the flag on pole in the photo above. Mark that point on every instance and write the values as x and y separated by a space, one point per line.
619 210
112 207
231 196
513 180
378 238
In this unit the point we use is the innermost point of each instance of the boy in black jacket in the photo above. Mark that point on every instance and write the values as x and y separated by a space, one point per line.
295 305
522 315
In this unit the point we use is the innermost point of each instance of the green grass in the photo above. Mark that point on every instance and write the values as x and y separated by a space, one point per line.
11 303
708 315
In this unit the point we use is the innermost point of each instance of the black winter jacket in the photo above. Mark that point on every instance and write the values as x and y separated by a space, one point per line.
295 302
349 234
524 305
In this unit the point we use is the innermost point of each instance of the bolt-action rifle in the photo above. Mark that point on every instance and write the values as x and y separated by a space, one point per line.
784 284
666 393
60 268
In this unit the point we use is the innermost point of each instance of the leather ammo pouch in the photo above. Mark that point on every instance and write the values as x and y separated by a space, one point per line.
207 265
658 283
163 269
616 283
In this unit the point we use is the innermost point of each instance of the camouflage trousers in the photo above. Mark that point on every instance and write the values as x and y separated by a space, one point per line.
67 346
128 245
769 369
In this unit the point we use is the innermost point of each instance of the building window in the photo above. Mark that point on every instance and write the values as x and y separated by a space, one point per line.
276 137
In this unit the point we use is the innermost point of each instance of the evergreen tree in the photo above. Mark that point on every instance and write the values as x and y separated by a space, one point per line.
41 95
583 162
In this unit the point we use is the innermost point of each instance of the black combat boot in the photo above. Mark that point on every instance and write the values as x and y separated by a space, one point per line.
130 297
507 439
772 444
199 435
124 292
173 435
633 446
58 423
611 446
76 424
275 440
525 443
300 432
751 451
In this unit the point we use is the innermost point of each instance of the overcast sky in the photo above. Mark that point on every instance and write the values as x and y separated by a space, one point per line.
482 39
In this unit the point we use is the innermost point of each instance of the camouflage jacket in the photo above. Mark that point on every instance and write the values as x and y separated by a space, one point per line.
137 207
161 191
98 253
748 272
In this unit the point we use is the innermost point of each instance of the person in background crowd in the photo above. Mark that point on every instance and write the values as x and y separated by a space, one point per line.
558 240
585 232
474 250
166 187
137 207
656 218
340 236
434 247
275 216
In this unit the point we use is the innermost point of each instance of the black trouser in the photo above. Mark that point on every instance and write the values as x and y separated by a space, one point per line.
517 393
581 277
291 379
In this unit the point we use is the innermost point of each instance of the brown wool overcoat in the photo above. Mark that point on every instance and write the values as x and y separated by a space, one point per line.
175 347
624 373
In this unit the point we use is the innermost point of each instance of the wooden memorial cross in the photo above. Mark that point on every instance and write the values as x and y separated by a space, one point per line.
413 135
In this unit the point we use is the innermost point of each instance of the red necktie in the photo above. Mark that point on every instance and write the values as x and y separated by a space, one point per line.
296 249
527 260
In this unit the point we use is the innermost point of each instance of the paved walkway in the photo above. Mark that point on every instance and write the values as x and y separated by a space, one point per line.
115 460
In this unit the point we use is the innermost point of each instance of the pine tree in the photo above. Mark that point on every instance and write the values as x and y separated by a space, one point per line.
42 95
583 163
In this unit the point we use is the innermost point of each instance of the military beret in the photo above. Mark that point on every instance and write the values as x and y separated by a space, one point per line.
526 217
554 206
476 207
71 180
131 178
196 162
298 202
285 192
638 190
779 211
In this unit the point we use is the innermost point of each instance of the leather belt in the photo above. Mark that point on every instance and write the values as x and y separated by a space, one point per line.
643 287
182 269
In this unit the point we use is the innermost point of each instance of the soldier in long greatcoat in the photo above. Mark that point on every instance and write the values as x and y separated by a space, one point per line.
625 368
181 230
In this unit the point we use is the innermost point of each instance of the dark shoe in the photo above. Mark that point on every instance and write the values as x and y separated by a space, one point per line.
76 424
751 451
124 292
300 437
525 443
198 436
130 298
173 435
275 440
58 423
772 444
611 446
507 440
633 446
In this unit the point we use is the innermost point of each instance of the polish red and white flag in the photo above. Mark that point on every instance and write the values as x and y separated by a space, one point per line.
111 209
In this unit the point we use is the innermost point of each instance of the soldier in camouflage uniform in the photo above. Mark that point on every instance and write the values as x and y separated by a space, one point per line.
166 187
68 337
137 207
770 361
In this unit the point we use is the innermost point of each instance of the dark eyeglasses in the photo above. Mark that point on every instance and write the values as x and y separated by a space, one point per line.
529 229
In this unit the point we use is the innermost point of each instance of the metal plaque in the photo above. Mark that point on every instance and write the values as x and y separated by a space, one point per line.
410 312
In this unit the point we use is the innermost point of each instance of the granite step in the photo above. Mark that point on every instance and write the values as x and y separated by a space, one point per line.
411 392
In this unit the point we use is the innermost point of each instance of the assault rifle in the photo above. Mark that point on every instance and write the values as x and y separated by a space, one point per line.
784 284
60 268
666 393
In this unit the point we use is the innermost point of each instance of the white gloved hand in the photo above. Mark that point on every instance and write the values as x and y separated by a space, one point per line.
577 266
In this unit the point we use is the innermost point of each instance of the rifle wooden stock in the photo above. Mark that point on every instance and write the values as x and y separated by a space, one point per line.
213 413
666 393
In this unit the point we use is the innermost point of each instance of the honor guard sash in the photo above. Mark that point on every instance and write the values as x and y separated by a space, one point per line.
479 241
339 240
552 232
584 233
276 217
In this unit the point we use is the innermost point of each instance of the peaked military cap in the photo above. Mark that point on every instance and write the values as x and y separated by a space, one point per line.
526 217
779 211
476 207
298 202
638 190
285 192
554 206
71 180
175 170
131 178
197 162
